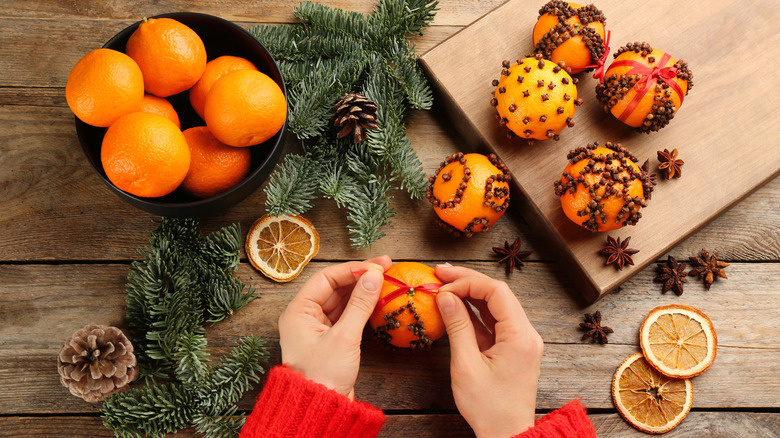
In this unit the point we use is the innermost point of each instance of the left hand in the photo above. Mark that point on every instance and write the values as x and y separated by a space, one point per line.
321 329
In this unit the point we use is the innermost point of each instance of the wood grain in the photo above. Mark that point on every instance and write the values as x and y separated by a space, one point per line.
696 424
400 380
703 130
449 13
46 182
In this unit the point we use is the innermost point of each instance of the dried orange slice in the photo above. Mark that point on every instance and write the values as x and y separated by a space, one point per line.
280 246
679 341
648 400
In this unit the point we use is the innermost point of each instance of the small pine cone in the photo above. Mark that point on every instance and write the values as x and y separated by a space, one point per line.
96 362
354 113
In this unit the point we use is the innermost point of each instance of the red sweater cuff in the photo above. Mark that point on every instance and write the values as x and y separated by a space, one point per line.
293 406
570 421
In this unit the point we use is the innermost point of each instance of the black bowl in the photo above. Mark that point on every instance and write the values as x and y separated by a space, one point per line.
220 37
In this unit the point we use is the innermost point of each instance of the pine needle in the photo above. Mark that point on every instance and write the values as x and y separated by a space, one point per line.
330 53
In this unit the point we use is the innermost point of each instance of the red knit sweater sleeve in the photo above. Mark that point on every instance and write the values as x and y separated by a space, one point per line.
570 421
293 406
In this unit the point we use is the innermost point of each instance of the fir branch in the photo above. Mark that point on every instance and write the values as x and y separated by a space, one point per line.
222 247
333 19
152 411
296 43
225 296
406 17
333 52
311 101
336 183
234 375
191 359
389 139
219 426
369 212
290 191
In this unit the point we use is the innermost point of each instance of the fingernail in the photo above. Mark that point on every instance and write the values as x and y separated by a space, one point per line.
371 280
446 302
444 265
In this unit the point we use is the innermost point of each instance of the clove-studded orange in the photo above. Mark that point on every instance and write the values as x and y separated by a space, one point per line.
644 87
602 188
570 33
469 192
406 315
535 99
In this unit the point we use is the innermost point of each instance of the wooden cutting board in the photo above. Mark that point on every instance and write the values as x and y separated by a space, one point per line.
726 130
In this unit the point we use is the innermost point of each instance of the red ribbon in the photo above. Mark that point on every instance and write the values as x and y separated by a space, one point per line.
599 65
431 288
649 76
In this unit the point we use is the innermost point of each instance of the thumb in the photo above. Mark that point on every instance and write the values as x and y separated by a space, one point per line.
361 303
463 339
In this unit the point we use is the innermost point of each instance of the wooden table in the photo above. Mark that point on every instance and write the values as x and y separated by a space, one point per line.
66 243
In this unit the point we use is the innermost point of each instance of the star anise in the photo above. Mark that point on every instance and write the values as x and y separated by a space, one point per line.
511 255
707 267
619 253
670 165
648 179
672 276
594 329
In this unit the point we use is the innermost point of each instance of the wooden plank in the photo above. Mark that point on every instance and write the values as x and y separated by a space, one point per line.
743 310
46 183
698 423
458 13
710 185
23 64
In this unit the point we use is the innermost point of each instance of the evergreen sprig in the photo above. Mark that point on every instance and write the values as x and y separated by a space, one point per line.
182 282
332 52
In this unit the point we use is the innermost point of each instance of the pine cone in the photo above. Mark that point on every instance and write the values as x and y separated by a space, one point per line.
96 362
354 112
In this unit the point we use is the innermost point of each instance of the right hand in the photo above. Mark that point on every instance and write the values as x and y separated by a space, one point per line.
495 363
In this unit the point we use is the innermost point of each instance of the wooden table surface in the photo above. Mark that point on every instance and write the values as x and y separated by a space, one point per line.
66 243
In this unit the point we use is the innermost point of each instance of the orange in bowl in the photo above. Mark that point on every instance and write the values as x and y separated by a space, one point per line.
215 69
406 315
215 167
570 33
470 192
145 155
245 108
103 86
602 188
171 56
157 105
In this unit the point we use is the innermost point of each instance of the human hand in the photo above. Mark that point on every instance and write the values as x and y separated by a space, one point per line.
321 329
495 363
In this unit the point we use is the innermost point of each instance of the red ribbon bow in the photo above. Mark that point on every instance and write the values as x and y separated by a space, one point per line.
599 65
431 288
648 78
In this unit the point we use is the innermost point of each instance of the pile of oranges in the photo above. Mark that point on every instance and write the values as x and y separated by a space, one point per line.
144 151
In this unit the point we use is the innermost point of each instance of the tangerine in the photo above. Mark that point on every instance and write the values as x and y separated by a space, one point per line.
602 188
411 319
469 192
535 99
103 86
172 56
215 69
657 107
570 33
145 155
214 167
157 105
244 108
